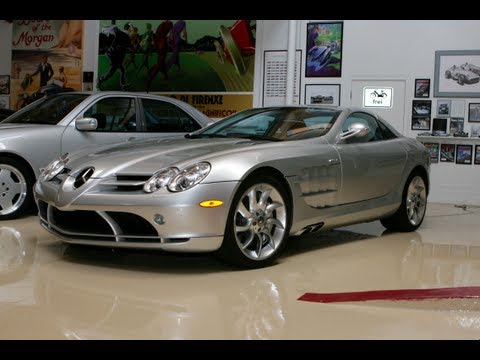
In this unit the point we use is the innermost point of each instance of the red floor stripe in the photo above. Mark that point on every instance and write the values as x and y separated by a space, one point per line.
404 294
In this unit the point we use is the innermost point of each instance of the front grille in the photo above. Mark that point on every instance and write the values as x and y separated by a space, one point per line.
100 226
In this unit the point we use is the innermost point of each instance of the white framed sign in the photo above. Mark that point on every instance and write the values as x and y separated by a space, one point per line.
377 97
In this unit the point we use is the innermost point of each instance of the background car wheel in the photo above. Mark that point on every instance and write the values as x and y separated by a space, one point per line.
258 223
16 186
448 74
461 79
411 212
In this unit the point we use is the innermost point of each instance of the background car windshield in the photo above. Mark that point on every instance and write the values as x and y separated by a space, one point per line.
48 110
286 123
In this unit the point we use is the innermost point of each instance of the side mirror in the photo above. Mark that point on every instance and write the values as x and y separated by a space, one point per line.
86 124
357 130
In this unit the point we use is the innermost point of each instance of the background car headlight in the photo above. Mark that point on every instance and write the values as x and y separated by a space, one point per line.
189 177
160 179
54 168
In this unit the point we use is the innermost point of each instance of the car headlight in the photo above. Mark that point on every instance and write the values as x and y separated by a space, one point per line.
175 180
160 179
54 168
189 177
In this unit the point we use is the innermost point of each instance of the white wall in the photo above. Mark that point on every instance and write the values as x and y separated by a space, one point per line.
372 49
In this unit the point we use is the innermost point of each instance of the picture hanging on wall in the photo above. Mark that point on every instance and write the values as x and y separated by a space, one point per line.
4 102
325 94
324 49
456 125
447 153
443 108
433 150
457 73
4 84
421 113
475 130
422 88
477 154
474 112
464 154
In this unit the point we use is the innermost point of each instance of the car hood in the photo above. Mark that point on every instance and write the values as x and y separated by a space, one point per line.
148 156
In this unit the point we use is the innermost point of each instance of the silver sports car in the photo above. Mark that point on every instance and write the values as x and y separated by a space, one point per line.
51 126
241 186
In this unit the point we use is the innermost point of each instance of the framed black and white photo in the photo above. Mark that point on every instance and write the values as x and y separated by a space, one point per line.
4 84
421 107
324 49
420 122
433 150
474 112
4 102
456 125
457 73
464 154
322 94
447 153
475 130
443 108
422 88
477 155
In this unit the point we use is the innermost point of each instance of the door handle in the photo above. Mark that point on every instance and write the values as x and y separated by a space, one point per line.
333 161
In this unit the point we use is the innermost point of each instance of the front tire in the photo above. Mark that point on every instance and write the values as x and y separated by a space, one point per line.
16 189
258 223
411 212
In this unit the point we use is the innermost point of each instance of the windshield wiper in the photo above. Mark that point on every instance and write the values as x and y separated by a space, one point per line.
253 136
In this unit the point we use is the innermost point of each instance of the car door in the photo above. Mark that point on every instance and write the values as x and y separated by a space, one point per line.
117 118
371 165
161 118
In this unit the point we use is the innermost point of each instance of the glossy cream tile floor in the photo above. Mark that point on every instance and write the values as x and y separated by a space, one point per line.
53 291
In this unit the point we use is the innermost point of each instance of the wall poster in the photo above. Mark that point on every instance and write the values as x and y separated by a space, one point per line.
46 59
206 63
275 77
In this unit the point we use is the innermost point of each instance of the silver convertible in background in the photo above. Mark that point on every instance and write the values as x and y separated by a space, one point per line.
241 186
53 125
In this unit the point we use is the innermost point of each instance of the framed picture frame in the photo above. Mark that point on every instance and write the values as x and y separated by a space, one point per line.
433 150
422 88
4 84
464 154
477 155
443 108
457 73
456 125
474 112
322 94
4 102
447 153
421 122
421 107
324 49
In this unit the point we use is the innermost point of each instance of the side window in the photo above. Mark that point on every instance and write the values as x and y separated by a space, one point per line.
374 132
114 114
162 116
386 132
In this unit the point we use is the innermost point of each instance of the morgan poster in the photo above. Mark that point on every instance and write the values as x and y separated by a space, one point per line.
207 63
46 59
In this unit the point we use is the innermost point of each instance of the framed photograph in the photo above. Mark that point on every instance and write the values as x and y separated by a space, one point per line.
421 107
475 130
422 88
447 153
323 94
443 108
420 122
477 154
464 154
474 112
4 84
456 125
433 150
457 73
440 126
324 49
4 102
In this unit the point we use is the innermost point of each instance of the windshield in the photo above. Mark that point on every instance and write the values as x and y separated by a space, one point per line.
48 110
276 124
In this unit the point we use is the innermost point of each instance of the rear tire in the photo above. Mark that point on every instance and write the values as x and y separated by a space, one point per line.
411 212
16 188
258 223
